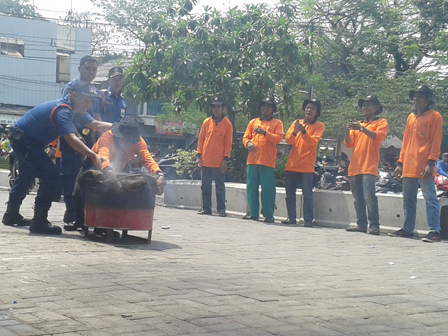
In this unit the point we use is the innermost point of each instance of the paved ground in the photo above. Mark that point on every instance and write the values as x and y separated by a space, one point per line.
220 276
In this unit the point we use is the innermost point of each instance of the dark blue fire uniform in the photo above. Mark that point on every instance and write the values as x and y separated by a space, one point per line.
31 134
113 109
71 159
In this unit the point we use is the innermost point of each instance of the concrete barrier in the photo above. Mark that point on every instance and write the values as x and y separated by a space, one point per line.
331 208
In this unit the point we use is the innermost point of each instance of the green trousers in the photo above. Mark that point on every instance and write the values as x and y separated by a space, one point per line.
260 175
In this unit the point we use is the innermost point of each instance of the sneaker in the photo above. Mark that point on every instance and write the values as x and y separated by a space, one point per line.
255 218
269 220
202 212
289 221
375 232
222 214
401 233
355 229
432 237
308 224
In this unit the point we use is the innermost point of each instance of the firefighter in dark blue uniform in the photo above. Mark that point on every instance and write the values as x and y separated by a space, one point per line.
29 137
71 159
113 108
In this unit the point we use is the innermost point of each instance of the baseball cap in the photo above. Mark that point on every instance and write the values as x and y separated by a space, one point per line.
218 100
85 88
116 71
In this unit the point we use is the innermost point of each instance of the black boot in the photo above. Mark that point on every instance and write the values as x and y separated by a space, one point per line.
40 223
13 217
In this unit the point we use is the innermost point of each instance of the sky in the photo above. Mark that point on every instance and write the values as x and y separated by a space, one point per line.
56 9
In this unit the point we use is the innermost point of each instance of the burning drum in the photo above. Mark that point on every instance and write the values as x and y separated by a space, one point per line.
127 209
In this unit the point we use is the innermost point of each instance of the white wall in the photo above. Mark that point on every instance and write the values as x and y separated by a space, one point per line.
31 80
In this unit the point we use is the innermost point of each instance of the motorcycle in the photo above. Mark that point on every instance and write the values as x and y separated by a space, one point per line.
387 182
441 185
333 177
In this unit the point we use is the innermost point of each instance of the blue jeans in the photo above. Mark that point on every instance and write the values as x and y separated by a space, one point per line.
208 175
410 190
306 183
363 191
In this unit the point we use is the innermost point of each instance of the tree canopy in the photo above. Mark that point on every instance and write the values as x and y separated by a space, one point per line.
334 50
18 8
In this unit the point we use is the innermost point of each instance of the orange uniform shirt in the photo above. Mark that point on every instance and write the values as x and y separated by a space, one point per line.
304 147
266 152
366 151
421 142
215 141
118 159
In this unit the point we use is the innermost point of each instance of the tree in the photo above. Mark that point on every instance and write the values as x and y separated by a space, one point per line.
335 50
374 47
18 8
242 55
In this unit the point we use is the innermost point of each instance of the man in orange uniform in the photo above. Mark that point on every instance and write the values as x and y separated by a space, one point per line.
419 153
261 139
304 136
365 138
118 146
214 146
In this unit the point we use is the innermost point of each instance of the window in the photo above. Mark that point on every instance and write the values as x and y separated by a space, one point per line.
142 109
12 47
65 47
63 67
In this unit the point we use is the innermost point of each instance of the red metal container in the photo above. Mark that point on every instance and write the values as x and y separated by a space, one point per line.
127 210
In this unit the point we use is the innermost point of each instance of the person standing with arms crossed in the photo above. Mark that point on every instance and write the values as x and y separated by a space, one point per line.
420 150
214 146
365 138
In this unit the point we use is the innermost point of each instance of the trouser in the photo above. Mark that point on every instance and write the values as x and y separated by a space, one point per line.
78 194
58 191
208 175
306 184
33 161
260 175
68 186
70 166
410 190
363 191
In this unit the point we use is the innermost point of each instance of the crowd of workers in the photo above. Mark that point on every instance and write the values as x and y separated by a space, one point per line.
416 164
89 129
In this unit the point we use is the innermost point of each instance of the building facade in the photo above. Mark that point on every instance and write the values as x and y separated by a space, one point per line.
37 58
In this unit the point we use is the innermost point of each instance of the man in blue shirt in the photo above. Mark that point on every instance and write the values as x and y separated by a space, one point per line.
29 137
442 165
113 107
70 162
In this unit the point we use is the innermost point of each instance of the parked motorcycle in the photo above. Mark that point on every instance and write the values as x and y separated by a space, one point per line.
387 182
333 177
441 185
